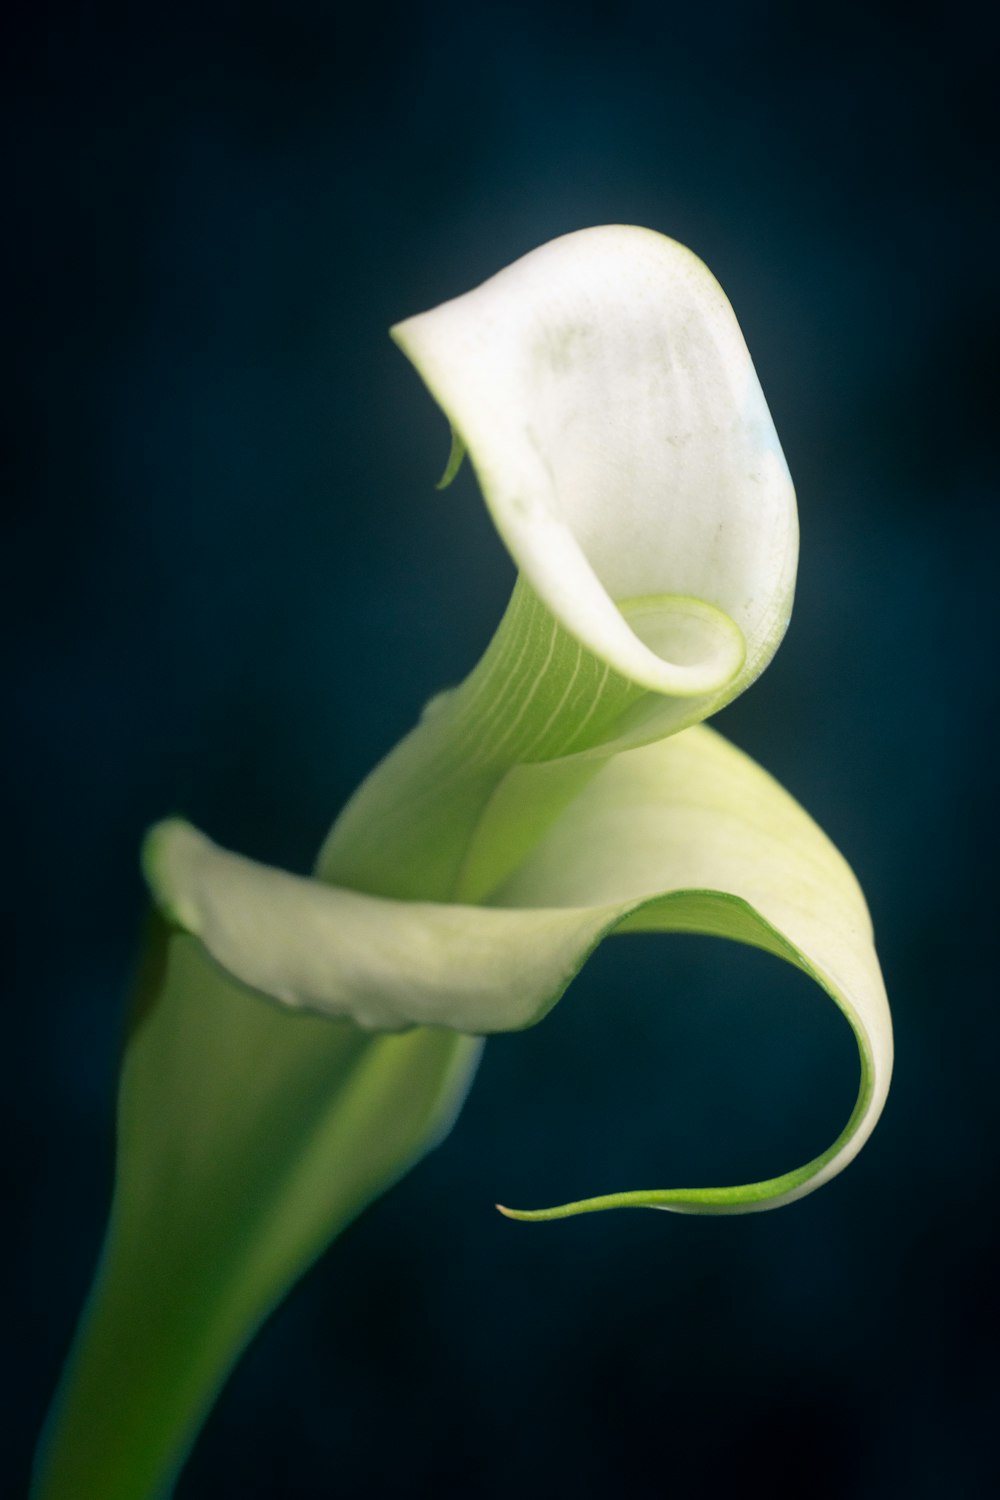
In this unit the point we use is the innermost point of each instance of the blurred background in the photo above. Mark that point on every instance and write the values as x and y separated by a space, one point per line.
233 587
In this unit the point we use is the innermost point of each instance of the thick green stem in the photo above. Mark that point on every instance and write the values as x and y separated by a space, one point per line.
248 1138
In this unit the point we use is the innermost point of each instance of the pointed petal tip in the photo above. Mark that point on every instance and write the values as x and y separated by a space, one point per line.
455 457
534 1215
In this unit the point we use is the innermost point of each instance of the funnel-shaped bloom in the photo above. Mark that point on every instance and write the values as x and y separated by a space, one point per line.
566 790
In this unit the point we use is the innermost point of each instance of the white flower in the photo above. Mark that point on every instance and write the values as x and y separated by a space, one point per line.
606 398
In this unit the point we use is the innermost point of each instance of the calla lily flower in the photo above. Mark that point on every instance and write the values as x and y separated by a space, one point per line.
299 1042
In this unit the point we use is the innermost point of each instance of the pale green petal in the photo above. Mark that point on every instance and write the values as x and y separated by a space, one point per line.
608 403
685 835
692 836
384 964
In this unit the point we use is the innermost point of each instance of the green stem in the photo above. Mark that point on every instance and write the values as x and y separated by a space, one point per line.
248 1138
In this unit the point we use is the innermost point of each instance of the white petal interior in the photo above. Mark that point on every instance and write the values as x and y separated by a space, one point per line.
701 644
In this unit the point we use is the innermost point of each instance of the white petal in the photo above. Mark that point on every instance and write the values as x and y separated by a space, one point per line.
608 402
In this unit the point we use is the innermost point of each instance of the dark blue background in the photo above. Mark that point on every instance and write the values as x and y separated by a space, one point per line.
233 587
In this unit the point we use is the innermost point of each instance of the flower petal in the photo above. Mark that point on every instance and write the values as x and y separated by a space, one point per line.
385 964
693 836
685 835
608 402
